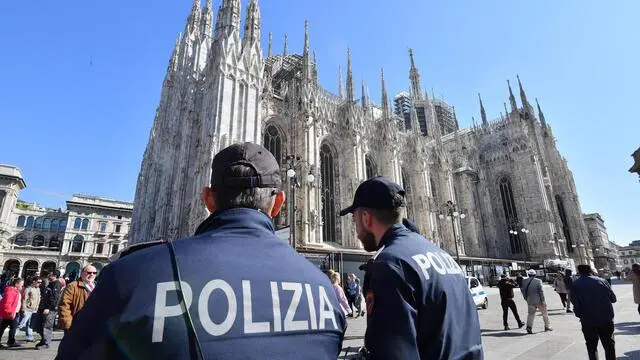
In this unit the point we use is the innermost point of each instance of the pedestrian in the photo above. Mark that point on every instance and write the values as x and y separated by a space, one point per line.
74 297
344 303
592 300
9 308
418 302
357 301
506 286
48 309
560 287
534 295
635 280
232 291
30 304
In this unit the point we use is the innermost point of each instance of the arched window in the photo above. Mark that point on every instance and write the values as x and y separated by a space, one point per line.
370 167
85 224
77 223
54 224
38 240
510 214
273 141
46 224
20 240
38 224
327 176
54 242
30 222
76 245
565 223
63 225
21 220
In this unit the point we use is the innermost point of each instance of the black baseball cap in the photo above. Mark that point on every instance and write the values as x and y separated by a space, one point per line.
376 193
257 157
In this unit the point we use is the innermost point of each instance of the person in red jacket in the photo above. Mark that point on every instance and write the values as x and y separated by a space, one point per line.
9 307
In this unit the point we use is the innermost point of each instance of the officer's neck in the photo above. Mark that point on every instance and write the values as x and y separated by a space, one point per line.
380 232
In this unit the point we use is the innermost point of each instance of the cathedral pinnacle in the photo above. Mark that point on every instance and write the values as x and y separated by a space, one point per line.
340 86
306 56
350 95
512 99
270 44
414 76
506 112
285 51
528 110
315 68
541 116
207 19
385 98
252 24
483 113
364 98
194 17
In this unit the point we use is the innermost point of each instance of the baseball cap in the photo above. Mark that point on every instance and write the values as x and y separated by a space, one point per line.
376 193
257 157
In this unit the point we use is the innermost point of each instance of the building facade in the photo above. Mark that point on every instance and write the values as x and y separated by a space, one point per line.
37 239
629 255
506 175
604 254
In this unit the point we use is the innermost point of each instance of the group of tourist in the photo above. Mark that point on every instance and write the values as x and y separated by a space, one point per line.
39 303
591 296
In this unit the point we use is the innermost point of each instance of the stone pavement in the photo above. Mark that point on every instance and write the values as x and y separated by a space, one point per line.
28 350
565 342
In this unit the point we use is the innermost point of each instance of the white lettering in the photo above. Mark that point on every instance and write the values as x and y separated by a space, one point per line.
436 262
203 307
453 268
326 309
423 263
289 323
312 307
275 298
162 311
251 327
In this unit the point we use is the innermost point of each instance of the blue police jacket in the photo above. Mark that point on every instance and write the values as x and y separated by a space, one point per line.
249 293
418 302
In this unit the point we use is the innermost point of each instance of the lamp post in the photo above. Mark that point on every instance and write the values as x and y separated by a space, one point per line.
293 162
450 211
517 228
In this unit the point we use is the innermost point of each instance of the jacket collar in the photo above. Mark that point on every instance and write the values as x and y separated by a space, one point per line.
236 218
390 236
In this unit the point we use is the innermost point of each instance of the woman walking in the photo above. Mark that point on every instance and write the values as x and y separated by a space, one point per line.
561 289
342 299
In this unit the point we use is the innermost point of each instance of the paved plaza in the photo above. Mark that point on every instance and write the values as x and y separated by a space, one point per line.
565 342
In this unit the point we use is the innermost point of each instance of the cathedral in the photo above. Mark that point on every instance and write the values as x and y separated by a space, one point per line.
498 192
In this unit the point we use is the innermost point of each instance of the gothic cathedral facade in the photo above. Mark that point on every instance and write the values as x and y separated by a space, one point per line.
504 175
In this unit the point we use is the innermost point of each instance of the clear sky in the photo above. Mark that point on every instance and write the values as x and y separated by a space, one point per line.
80 80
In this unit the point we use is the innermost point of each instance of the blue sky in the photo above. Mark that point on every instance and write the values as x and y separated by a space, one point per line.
80 80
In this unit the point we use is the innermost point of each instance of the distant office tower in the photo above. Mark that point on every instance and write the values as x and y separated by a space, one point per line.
402 108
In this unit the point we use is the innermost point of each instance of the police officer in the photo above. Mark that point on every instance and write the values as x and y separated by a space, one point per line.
232 291
418 303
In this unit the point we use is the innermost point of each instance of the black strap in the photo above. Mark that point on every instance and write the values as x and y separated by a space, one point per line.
194 342
526 291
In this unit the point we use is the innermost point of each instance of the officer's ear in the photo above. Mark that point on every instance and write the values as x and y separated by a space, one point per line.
278 201
208 198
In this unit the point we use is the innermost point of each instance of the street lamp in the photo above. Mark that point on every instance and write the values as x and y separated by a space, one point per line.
293 162
523 230
450 211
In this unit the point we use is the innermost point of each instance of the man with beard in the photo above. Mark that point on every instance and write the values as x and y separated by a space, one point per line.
418 302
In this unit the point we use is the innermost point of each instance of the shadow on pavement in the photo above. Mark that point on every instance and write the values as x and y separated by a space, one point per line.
350 352
354 337
506 334
628 328
630 355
